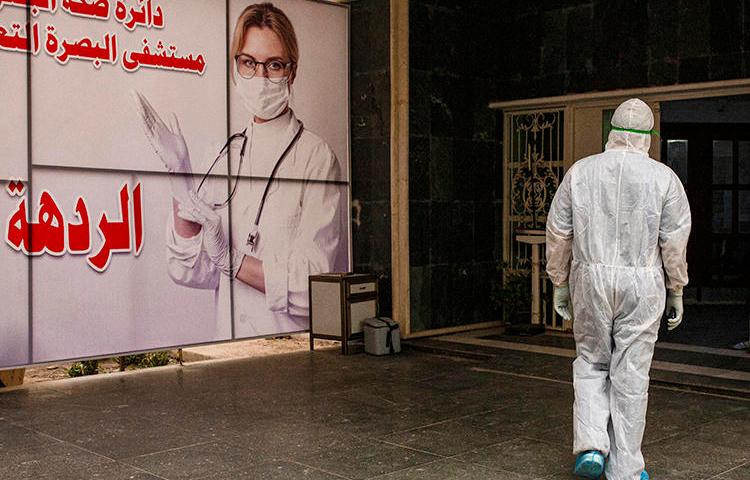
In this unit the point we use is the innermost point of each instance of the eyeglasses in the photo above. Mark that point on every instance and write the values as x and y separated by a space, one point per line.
276 70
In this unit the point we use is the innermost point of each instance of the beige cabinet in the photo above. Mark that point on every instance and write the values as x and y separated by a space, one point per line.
339 305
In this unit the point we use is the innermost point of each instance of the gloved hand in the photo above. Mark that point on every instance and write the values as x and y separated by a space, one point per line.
169 145
674 305
227 260
561 302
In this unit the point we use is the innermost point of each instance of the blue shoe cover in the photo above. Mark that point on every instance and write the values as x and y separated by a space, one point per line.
589 464
644 475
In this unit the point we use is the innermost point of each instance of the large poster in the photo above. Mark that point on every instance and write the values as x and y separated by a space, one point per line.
172 171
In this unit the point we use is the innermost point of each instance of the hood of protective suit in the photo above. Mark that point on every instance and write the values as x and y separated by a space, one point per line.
632 114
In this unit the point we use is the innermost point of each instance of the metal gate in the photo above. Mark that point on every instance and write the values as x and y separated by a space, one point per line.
533 169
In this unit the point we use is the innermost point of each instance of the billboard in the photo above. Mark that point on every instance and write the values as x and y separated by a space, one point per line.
172 171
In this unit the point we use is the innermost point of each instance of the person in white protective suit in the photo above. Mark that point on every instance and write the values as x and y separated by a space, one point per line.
618 222
289 174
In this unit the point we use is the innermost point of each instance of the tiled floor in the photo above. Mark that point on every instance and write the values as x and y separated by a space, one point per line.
323 416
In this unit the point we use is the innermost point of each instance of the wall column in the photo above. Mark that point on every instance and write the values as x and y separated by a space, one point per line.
399 50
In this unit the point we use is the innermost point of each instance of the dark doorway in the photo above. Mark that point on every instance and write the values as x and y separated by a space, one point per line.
707 143
713 162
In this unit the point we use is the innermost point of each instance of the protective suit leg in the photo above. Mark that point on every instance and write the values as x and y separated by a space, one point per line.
640 295
592 329
617 312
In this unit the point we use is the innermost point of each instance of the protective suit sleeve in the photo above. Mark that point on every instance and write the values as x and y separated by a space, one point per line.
316 242
559 246
188 263
674 232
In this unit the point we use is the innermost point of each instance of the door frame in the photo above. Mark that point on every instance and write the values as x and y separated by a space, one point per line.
701 194
583 117
399 26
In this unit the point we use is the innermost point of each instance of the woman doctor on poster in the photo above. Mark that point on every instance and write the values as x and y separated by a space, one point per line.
299 231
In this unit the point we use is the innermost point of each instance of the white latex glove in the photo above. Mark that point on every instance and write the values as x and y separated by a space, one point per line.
227 260
674 303
169 145
561 302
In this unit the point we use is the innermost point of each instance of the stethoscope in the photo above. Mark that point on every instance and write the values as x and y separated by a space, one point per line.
254 236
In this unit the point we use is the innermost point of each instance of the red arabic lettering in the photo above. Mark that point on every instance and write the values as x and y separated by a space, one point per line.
46 235
15 188
163 58
18 43
35 39
116 235
79 234
82 8
137 219
17 230
51 44
147 16
83 49
35 5
51 234
121 12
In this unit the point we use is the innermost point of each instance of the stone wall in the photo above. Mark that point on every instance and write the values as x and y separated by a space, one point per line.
370 133
464 54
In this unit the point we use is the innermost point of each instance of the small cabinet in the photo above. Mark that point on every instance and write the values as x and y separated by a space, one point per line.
339 305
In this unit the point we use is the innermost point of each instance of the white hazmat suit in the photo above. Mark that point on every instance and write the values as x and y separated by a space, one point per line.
618 222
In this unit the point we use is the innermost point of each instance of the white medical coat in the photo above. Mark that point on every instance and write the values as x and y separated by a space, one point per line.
300 230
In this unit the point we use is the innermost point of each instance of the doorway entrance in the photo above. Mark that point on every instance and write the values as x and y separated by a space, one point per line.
707 143
706 140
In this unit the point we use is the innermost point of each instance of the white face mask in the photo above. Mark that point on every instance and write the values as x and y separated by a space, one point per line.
262 97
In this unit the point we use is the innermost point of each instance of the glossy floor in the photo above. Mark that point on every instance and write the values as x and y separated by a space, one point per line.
324 416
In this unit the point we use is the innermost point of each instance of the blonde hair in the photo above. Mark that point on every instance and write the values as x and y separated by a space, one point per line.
266 15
